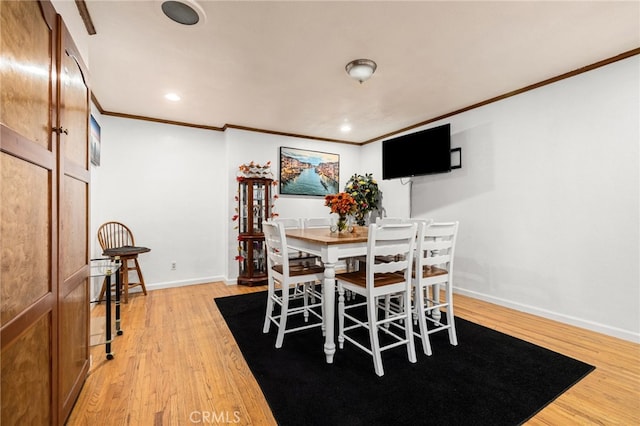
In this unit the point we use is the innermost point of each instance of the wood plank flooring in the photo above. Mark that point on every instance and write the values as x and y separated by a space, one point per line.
177 363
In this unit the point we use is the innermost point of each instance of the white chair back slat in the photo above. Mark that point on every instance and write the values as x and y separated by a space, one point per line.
316 222
390 240
289 222
273 244
436 260
390 267
430 244
436 243
389 220
440 229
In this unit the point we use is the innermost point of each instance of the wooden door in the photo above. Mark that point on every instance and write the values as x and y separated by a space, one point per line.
28 254
72 130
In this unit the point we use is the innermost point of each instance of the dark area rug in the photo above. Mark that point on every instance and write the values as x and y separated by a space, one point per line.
490 378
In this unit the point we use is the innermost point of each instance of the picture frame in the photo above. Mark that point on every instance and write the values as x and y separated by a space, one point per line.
308 173
94 140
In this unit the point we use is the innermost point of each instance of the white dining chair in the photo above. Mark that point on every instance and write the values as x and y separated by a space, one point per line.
316 222
377 280
291 286
390 219
435 250
288 222
295 256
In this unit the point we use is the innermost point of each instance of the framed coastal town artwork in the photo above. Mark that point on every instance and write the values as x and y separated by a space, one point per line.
311 173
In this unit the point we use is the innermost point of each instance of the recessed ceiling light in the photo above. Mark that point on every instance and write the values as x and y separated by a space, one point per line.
345 128
172 97
185 12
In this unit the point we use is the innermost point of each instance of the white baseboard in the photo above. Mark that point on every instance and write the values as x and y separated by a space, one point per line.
178 283
181 283
578 322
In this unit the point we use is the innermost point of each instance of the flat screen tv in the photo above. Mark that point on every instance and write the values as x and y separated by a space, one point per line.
421 153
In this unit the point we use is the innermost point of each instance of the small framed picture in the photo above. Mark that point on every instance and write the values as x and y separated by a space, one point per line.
94 140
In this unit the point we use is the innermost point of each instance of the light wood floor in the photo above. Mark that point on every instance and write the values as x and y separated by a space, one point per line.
177 364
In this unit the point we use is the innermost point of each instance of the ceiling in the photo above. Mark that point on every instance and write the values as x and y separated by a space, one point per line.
279 66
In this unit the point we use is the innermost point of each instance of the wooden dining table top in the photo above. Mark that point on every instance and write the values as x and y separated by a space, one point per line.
325 236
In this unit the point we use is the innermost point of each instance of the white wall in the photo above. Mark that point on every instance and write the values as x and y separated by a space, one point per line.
168 184
548 200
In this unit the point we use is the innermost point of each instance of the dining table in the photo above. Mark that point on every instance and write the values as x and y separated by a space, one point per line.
330 247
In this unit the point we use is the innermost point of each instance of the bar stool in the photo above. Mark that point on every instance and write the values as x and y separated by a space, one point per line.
116 240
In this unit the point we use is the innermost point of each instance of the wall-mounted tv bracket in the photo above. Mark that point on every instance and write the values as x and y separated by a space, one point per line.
456 158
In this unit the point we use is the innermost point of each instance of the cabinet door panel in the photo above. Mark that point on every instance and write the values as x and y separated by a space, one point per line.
26 48
73 335
25 230
29 286
73 225
74 108
26 376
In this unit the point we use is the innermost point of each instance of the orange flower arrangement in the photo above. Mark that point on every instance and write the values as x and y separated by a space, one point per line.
341 203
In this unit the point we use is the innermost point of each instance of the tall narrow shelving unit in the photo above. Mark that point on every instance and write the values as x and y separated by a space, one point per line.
254 204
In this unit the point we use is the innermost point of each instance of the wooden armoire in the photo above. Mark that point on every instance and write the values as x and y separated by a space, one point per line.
44 213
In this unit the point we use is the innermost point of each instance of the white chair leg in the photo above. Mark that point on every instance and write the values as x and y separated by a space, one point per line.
453 336
305 297
340 316
269 311
408 329
435 313
387 306
312 287
373 336
323 327
283 317
422 320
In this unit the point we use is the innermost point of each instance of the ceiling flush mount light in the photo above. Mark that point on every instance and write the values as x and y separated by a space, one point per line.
184 12
361 69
